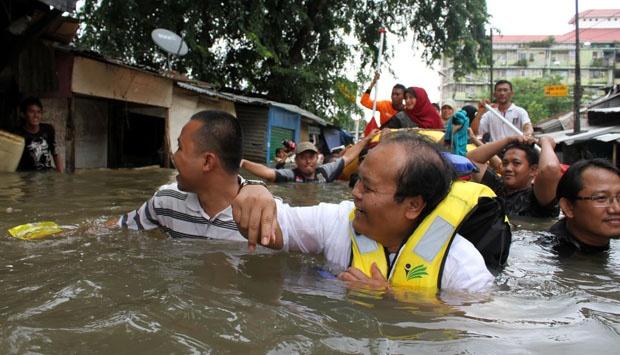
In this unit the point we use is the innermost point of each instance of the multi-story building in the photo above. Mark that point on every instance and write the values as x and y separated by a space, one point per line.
538 56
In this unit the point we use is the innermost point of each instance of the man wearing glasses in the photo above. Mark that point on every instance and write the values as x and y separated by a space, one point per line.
589 195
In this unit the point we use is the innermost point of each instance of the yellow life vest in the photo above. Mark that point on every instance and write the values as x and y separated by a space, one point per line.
419 263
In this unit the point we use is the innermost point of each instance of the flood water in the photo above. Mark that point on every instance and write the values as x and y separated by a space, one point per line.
95 290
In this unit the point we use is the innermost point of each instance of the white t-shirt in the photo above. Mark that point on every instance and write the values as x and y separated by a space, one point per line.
324 229
498 129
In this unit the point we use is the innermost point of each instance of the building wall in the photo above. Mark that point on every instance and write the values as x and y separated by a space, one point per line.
55 112
90 117
184 104
253 119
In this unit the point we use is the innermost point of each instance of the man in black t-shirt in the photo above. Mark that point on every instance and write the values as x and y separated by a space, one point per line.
40 139
523 195
589 195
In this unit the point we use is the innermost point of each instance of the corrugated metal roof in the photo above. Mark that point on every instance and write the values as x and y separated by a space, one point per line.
605 109
604 134
253 100
608 137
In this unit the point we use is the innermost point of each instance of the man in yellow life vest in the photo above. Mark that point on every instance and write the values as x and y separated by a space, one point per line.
400 230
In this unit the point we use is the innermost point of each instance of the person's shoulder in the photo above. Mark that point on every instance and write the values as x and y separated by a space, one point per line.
46 127
517 109
171 190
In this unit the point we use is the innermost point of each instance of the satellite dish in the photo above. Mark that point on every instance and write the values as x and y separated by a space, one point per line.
169 41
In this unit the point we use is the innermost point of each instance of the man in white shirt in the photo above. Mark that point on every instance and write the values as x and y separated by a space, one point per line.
493 126
401 182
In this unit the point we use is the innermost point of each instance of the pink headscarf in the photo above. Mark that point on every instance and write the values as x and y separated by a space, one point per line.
423 113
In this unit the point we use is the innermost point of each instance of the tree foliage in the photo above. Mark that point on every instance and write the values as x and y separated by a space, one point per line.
530 94
295 51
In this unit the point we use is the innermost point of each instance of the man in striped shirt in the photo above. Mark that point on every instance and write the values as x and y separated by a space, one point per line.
198 205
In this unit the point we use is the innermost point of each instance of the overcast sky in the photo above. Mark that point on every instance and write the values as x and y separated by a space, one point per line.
528 17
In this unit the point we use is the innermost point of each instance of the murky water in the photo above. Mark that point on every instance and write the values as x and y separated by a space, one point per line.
100 291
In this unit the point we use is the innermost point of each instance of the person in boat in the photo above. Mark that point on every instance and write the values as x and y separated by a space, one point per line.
589 196
529 179
208 190
418 112
486 124
40 139
386 108
400 230
306 161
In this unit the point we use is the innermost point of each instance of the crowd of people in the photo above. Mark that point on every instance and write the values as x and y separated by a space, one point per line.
414 220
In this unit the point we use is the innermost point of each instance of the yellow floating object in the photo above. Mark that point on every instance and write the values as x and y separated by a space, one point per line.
37 230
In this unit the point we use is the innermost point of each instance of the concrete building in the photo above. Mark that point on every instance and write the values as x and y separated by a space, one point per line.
539 56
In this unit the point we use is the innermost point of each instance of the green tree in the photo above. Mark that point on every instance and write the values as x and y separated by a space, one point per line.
530 94
296 51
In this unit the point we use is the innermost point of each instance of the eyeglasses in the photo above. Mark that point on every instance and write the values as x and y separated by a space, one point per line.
600 200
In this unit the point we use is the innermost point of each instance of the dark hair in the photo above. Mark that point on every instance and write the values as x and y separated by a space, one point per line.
571 183
436 106
29 101
500 82
411 92
470 110
221 134
426 173
278 150
399 87
530 153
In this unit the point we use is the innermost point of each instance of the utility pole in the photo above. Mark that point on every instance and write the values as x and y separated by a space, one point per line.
491 66
577 90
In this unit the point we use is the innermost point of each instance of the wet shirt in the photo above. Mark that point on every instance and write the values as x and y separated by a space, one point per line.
39 148
564 243
324 229
522 202
324 173
180 215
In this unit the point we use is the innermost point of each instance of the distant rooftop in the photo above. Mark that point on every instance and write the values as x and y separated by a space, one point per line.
597 13
592 35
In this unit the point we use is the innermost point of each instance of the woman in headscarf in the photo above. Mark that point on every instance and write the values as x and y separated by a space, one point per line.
418 112
420 109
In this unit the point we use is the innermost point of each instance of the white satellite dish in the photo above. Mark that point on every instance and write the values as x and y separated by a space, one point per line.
169 41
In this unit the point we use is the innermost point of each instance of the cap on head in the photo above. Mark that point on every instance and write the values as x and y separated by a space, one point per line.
304 146
450 103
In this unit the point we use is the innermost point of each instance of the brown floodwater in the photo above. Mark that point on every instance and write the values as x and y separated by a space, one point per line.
95 290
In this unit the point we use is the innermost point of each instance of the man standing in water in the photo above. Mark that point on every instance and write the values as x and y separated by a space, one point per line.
386 108
493 126
198 205
306 160
589 195
400 229
529 179
40 147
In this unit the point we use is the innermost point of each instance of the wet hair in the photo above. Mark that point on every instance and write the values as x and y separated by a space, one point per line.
571 182
500 82
411 92
530 153
470 111
221 134
425 173
399 87
29 101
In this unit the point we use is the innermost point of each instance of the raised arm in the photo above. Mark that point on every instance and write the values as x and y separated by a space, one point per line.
475 123
365 100
259 170
353 152
549 172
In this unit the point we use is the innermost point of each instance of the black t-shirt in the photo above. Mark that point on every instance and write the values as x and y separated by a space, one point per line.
522 202
565 244
39 149
324 173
